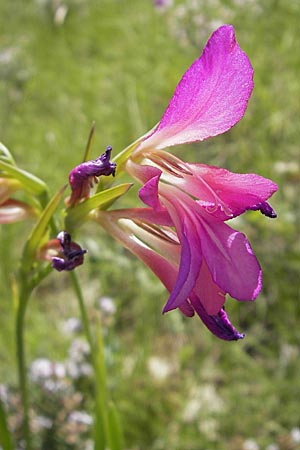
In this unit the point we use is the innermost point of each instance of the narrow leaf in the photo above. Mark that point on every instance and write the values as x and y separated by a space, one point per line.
41 226
115 437
123 156
101 429
101 200
87 152
29 181
5 436
5 154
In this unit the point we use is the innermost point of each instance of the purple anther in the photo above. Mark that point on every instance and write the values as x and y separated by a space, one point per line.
266 209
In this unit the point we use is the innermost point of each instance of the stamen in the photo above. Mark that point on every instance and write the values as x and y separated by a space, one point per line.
170 162
156 231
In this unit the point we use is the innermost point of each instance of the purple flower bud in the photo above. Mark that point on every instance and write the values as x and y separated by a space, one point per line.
71 253
83 176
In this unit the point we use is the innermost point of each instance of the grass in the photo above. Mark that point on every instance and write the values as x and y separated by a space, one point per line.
117 62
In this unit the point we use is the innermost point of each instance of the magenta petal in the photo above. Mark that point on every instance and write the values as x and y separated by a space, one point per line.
211 295
211 97
149 193
218 324
231 261
187 309
190 263
236 192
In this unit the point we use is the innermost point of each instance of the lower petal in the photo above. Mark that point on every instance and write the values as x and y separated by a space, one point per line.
231 261
190 263
218 324
211 295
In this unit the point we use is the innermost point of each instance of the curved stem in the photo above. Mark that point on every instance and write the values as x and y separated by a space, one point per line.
24 294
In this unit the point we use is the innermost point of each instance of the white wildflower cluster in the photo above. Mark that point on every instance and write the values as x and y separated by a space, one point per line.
190 21
78 364
160 368
54 375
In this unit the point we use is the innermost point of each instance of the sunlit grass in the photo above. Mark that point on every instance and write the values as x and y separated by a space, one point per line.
117 63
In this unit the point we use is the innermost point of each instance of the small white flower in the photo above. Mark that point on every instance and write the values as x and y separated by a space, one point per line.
250 444
79 350
283 167
272 447
43 422
203 399
159 368
43 368
107 306
60 15
71 325
295 435
80 417
3 393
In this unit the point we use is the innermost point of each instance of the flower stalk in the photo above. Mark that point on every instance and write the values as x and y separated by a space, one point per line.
24 293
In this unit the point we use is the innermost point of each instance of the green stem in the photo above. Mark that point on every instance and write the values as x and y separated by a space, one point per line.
24 294
101 427
83 313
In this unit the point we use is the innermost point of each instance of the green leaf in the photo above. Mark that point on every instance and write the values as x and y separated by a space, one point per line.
5 436
115 435
123 156
78 214
40 228
29 181
101 431
5 154
87 153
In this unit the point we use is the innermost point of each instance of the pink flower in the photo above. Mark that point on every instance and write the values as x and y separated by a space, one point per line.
183 235
13 210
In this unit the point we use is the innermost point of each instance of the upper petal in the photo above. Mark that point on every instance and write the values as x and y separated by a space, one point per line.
233 192
211 97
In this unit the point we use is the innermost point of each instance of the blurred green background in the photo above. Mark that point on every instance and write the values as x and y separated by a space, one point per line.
66 63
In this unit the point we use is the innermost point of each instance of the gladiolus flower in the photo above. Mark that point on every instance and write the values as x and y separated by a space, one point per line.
12 210
183 236
184 239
